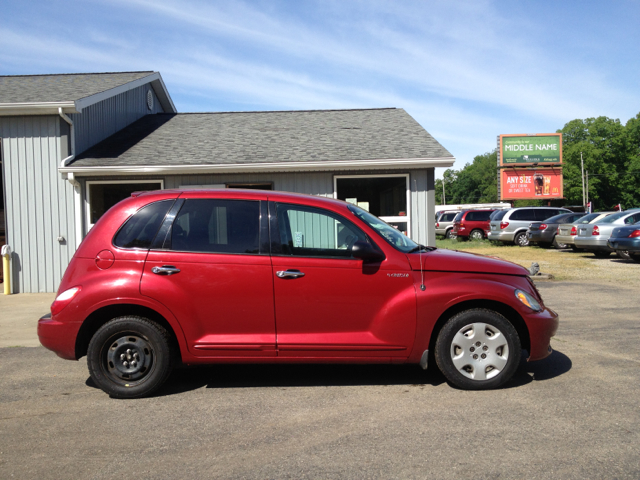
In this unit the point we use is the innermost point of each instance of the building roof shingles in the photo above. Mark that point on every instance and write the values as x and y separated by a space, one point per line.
265 137
61 87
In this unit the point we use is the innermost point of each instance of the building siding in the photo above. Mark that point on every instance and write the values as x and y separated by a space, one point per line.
39 204
103 119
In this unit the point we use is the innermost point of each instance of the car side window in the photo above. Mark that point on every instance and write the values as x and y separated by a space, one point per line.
217 226
526 214
314 232
140 229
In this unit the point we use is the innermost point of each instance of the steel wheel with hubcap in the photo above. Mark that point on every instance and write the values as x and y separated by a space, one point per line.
558 245
447 234
478 349
476 234
521 239
129 357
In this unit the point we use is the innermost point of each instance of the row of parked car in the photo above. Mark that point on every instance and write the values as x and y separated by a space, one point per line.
600 233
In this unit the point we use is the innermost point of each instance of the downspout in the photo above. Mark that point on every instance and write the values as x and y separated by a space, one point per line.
77 189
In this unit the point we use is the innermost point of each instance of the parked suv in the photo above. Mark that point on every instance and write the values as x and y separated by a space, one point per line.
247 276
444 222
472 224
511 225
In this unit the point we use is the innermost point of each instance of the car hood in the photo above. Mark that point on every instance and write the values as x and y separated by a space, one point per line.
443 260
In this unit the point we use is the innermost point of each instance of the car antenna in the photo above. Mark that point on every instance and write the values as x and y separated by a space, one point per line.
422 287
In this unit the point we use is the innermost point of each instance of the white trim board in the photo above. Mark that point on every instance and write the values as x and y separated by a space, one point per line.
331 166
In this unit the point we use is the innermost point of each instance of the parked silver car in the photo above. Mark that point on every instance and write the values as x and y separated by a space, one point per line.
444 222
567 232
594 237
511 225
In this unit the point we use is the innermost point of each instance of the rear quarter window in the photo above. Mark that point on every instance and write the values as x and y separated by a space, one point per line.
499 215
140 229
526 214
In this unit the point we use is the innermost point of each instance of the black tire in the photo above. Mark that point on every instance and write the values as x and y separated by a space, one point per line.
521 239
601 254
447 234
623 254
476 234
557 245
499 341
130 357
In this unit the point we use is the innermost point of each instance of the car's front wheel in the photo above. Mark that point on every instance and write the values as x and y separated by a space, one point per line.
478 349
130 357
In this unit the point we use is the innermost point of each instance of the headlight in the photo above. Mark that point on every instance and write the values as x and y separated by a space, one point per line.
528 300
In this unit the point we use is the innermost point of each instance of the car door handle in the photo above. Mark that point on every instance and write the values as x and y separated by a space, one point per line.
165 270
289 274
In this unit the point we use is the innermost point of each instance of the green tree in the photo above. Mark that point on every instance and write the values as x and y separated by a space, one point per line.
476 182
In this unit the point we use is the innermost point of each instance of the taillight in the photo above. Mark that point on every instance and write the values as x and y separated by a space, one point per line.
64 299
595 231
558 231
635 234
437 224
543 226
574 230
503 225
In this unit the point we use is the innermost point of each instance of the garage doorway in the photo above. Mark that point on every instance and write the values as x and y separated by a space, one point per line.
385 196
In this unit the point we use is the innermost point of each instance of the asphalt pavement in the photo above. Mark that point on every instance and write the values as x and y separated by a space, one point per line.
574 415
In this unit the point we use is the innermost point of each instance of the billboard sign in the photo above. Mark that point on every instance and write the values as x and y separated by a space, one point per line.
530 184
529 149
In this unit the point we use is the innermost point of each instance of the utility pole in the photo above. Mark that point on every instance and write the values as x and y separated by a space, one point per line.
582 168
587 186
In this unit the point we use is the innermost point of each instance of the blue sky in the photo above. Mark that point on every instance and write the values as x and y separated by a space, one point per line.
467 71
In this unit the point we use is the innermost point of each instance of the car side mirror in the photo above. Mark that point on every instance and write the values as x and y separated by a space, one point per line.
365 251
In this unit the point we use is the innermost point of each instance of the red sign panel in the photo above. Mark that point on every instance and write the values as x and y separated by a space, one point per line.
530 184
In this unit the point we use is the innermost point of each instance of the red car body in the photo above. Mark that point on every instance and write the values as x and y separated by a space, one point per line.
236 308
472 221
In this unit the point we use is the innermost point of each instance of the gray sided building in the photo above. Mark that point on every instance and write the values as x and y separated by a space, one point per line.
74 145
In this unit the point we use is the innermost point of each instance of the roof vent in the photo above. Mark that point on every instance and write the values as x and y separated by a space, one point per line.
150 99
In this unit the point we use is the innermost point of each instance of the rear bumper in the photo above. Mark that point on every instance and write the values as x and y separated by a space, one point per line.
500 236
566 239
58 337
540 236
630 244
592 243
542 326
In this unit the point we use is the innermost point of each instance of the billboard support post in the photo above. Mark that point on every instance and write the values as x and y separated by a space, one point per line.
584 202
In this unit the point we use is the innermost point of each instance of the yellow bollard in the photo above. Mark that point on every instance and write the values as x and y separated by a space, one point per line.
6 268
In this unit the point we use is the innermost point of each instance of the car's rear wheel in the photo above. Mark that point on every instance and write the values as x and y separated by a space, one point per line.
448 233
521 239
623 254
478 349
130 357
476 234
601 253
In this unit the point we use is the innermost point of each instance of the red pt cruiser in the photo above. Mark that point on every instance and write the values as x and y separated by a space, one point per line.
236 276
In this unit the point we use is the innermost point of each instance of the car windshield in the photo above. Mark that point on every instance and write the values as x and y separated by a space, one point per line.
391 235
613 217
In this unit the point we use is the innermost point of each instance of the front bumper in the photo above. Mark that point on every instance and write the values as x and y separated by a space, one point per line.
58 337
542 326
629 244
